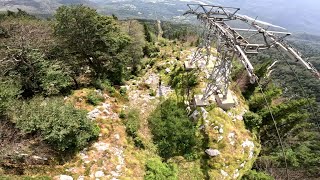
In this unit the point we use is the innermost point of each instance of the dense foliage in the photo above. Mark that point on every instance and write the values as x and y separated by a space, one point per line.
157 170
132 123
173 132
61 125
293 125
88 38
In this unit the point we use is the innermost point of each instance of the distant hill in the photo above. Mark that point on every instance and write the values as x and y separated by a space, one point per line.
297 16
39 6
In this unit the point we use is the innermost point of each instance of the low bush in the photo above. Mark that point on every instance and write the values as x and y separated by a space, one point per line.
123 91
252 121
151 50
94 98
255 175
152 92
132 123
173 132
8 92
157 170
60 125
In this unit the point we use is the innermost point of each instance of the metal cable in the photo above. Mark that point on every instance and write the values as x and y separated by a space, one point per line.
277 130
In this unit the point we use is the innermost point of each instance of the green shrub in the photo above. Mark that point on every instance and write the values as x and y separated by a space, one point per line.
60 125
254 175
151 50
152 92
157 170
173 132
252 121
105 85
132 123
122 115
94 98
123 91
55 79
8 91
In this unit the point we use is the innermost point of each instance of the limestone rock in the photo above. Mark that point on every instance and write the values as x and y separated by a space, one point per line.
94 114
99 174
223 173
236 174
65 177
231 138
239 117
100 146
168 70
81 178
221 130
194 115
213 152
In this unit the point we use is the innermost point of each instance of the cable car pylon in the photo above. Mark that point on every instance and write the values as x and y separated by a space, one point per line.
232 45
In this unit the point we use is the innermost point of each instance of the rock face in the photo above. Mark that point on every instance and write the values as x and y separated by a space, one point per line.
213 152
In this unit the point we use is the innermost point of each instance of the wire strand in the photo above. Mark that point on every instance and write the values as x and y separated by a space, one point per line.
277 130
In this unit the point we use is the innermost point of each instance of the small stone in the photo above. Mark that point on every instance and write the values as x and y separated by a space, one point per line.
220 130
99 92
101 146
106 112
99 174
65 177
243 164
81 178
220 138
188 110
118 167
213 152
40 158
223 173
231 138
117 136
168 70
94 114
236 174
239 117
106 106
114 174
194 115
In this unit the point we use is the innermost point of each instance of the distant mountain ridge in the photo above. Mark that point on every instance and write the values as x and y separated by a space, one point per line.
39 6
297 16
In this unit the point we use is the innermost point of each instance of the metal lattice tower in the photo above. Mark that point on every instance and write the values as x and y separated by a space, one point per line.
231 45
